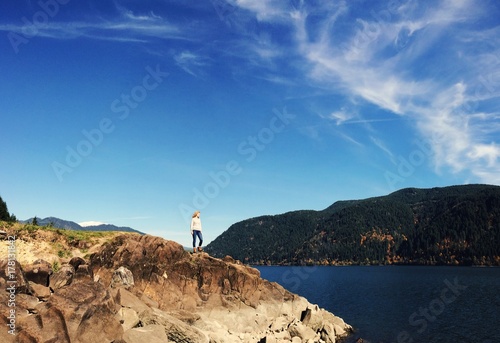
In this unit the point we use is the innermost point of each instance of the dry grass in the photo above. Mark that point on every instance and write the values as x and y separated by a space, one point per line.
53 245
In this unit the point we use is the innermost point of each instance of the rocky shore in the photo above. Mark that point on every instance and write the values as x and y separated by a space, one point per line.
138 289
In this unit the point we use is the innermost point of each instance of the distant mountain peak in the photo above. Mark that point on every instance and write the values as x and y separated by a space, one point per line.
85 226
92 223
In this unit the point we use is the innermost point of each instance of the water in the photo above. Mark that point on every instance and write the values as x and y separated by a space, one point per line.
403 304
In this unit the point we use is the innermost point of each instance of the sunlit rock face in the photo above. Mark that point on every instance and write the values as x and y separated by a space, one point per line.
148 289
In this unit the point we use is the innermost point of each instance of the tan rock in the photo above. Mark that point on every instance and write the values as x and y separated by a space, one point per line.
174 296
177 330
128 318
328 333
280 324
127 299
41 292
302 331
150 333
10 271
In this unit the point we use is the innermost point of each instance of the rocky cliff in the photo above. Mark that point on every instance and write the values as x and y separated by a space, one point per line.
147 289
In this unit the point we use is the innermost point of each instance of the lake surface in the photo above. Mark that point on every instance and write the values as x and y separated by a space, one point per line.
403 304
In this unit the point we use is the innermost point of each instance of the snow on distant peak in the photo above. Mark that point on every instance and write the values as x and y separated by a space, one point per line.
90 223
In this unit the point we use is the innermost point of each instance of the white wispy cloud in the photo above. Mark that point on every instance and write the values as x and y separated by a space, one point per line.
349 139
126 27
382 146
457 142
265 10
191 63
340 116
381 60
278 80
369 65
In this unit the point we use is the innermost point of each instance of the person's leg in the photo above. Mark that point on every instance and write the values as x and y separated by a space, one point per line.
200 236
194 241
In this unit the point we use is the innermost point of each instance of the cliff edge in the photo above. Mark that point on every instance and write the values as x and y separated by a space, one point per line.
148 289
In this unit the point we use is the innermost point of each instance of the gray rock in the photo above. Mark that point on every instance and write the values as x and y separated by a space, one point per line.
122 277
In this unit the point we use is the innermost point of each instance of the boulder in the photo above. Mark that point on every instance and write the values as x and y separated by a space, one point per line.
62 278
40 292
13 275
128 318
302 331
39 272
150 333
177 330
79 312
187 317
230 300
76 262
82 312
126 299
122 277
27 302
305 316
83 271
328 333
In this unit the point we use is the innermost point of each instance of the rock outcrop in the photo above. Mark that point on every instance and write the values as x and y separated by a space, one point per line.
147 289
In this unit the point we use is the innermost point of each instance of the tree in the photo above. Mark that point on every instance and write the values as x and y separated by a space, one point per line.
4 212
34 221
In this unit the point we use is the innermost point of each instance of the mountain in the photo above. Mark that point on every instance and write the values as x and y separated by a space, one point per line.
69 225
456 225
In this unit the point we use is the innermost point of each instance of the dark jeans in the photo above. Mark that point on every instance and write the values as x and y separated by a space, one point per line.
200 237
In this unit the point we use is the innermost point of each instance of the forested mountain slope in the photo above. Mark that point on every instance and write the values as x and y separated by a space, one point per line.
456 225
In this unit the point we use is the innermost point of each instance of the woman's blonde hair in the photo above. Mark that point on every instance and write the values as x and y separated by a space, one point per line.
196 213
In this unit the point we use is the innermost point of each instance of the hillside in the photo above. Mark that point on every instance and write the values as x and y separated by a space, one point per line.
69 225
56 246
456 225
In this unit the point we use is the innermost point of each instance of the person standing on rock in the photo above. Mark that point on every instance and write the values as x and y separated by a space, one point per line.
196 230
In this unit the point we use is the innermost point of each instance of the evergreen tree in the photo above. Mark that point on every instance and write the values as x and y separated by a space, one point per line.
4 212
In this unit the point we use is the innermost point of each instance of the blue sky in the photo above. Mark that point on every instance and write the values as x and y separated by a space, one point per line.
136 113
